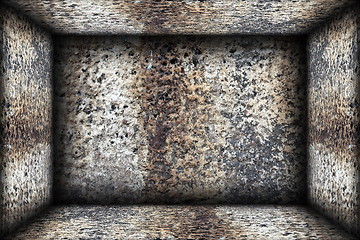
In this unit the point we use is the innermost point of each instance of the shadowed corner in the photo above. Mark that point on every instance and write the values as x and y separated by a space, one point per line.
357 191
305 124
302 143
52 117
307 133
2 232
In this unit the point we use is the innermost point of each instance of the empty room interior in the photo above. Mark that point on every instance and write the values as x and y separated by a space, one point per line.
194 119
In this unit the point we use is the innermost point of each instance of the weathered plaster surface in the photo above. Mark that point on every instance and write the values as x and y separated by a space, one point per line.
181 222
180 17
25 118
180 119
333 168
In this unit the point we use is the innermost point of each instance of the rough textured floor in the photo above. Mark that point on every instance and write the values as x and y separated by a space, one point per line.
180 119
180 222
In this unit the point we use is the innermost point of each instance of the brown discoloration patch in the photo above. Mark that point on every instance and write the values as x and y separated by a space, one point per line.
176 105
162 16
183 222
27 127
333 123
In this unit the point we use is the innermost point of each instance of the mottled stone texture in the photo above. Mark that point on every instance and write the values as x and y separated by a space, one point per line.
333 168
180 119
181 222
25 119
180 17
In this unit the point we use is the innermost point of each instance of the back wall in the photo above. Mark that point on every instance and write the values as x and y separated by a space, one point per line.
180 119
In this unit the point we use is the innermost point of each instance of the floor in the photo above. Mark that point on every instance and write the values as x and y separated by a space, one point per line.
180 222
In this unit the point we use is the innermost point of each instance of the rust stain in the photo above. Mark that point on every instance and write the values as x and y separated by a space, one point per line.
186 222
332 125
162 16
172 103
25 123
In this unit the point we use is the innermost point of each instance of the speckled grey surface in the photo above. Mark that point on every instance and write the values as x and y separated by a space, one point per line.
334 171
180 119
181 222
25 119
180 17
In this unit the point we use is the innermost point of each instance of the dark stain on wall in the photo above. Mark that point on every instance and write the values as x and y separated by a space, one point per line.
287 93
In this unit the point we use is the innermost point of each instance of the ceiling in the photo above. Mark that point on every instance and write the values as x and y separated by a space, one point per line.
179 17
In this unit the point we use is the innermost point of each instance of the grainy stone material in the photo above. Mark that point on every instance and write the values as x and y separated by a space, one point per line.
334 170
180 119
181 222
25 119
180 17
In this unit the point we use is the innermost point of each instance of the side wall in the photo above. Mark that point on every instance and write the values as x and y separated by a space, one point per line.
25 153
333 170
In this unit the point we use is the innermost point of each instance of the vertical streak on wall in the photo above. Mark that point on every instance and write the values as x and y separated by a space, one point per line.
25 119
333 176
